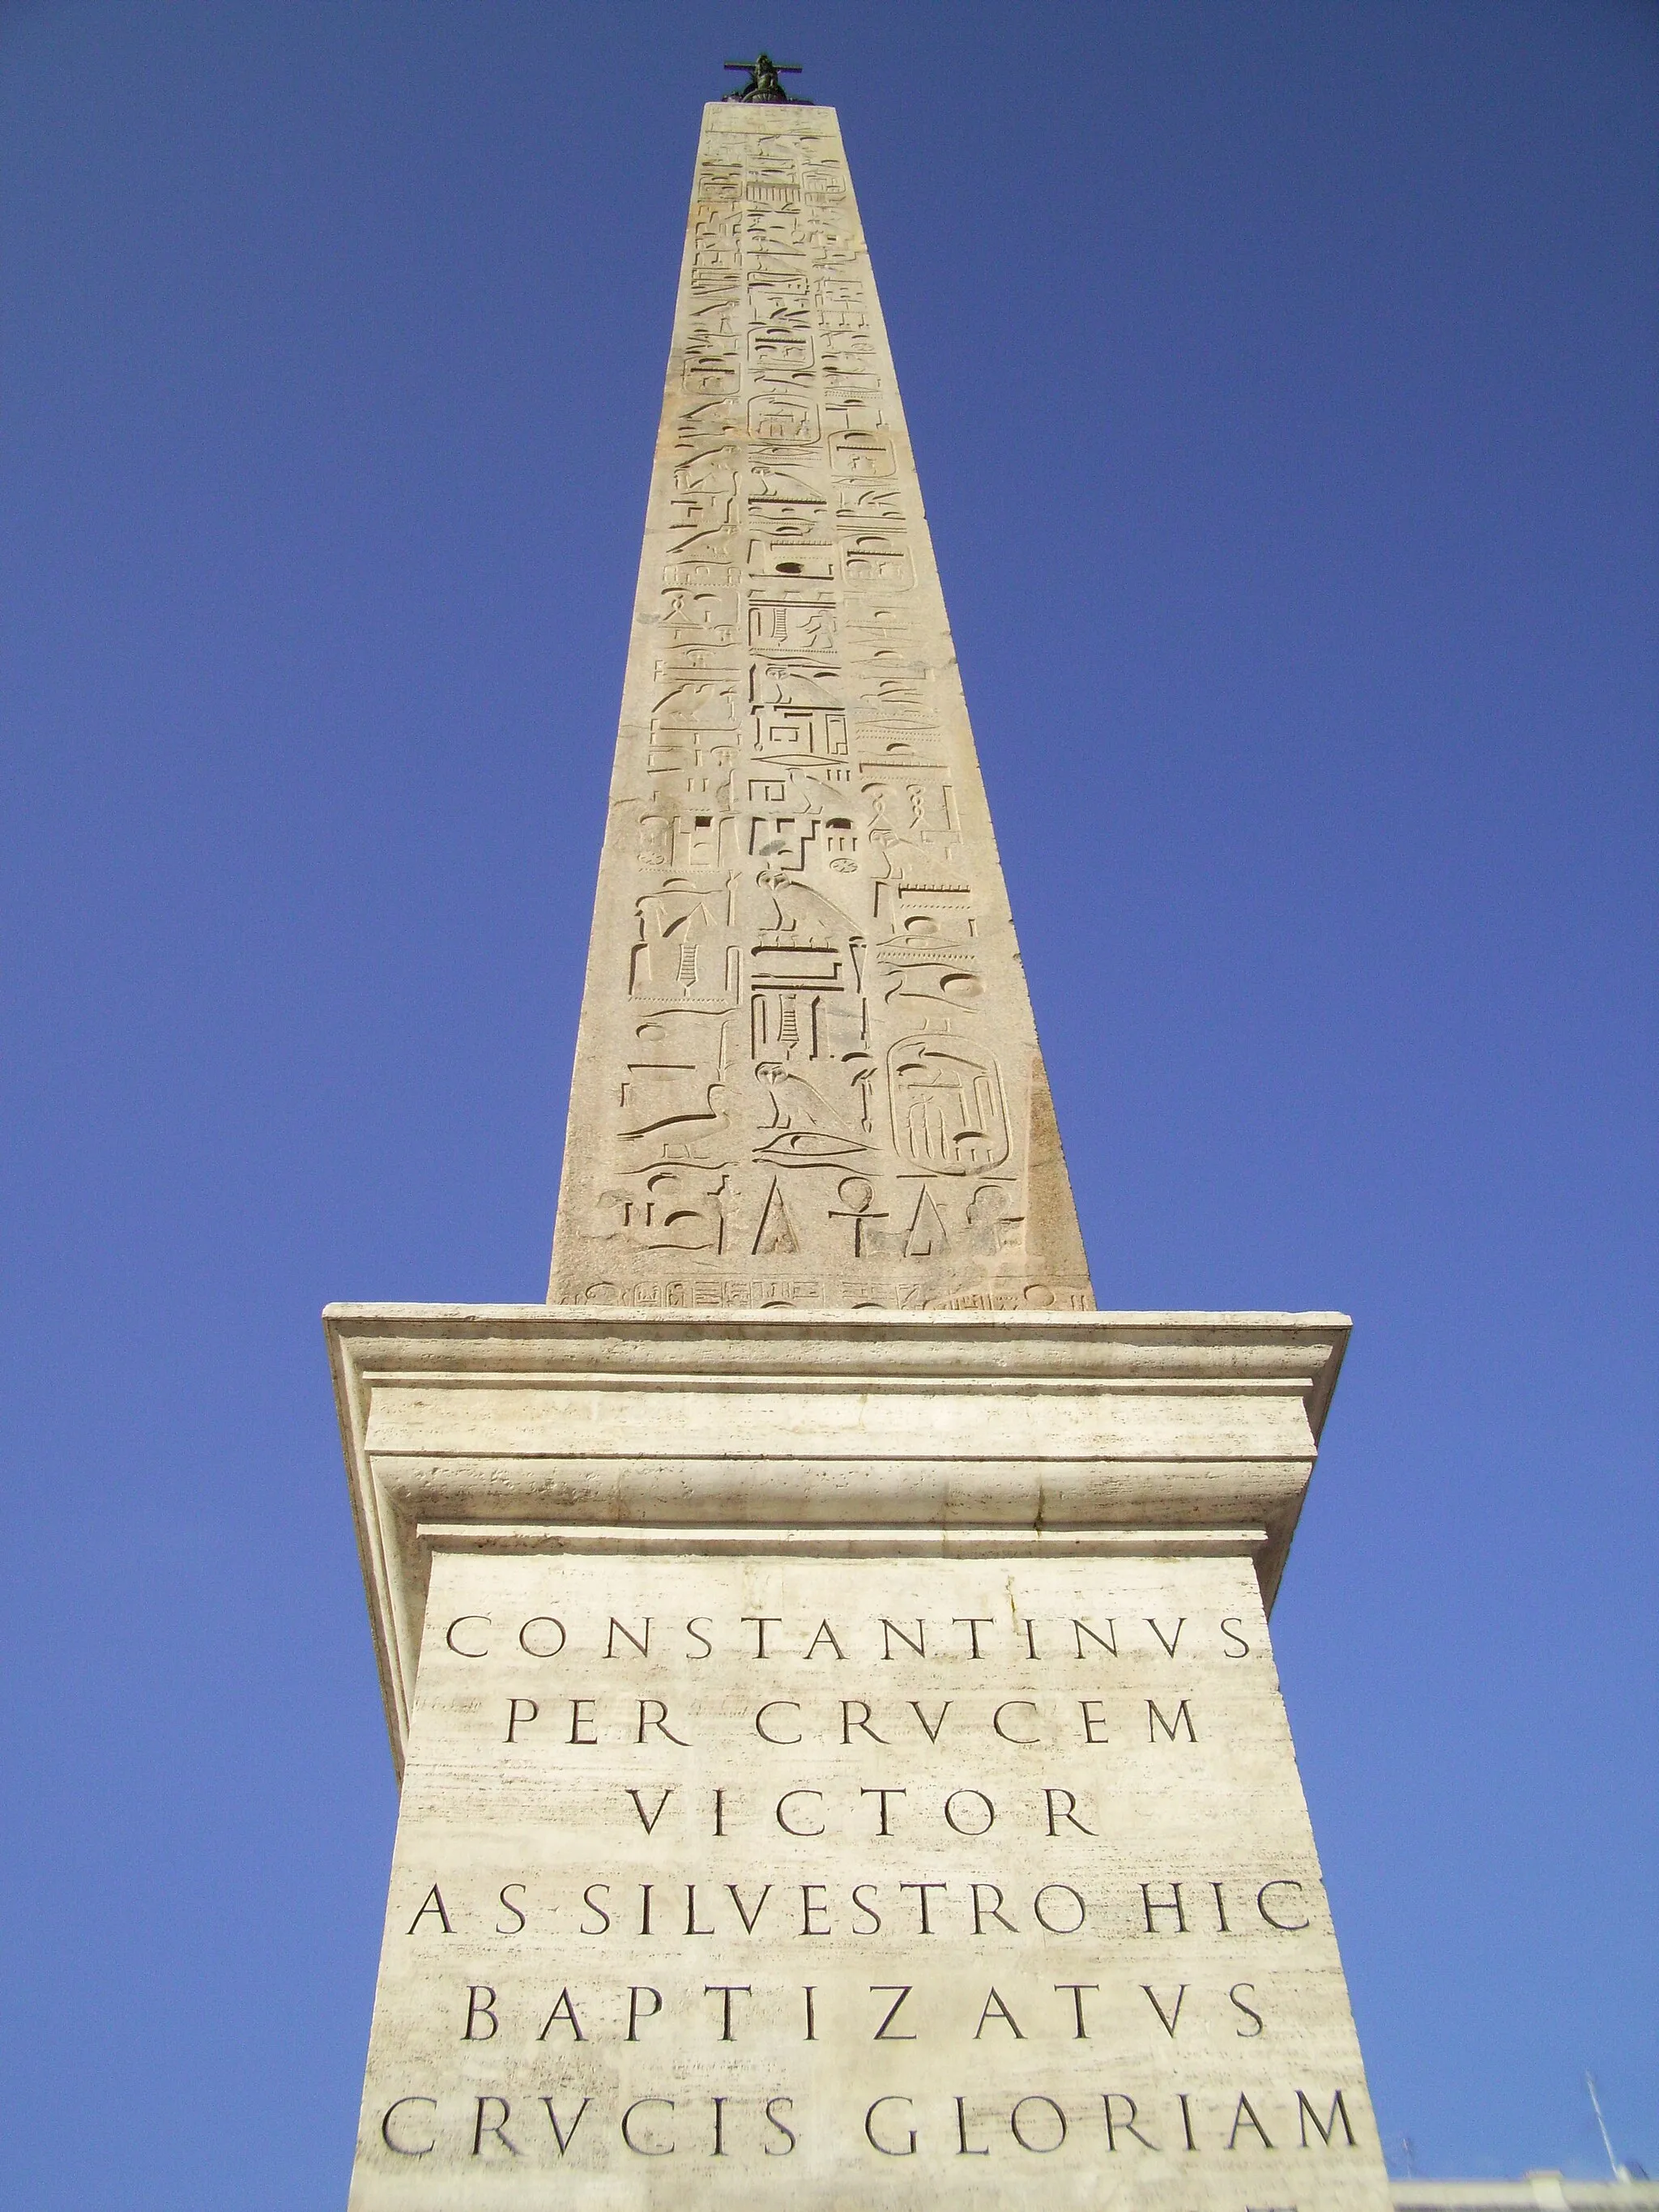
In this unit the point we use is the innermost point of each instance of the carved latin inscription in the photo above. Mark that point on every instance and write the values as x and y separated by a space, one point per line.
857 1881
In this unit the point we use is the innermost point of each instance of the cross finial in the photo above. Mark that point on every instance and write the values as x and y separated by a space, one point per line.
763 74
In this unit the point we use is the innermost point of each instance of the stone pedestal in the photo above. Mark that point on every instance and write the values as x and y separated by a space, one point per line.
843 1761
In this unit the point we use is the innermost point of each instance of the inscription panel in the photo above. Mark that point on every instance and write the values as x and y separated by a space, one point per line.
803 971
833 1881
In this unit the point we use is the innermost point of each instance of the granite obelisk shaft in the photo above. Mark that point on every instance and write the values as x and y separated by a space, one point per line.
807 1073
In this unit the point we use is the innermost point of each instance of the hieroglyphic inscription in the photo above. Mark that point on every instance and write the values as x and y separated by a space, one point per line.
807 1073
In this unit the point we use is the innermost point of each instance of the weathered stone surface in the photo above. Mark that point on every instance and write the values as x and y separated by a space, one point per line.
1009 1569
807 1073
775 1869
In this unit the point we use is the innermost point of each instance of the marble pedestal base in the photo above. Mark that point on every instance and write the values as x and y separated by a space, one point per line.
843 1761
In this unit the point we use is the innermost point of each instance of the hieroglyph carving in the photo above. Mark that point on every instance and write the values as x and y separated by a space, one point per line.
805 1034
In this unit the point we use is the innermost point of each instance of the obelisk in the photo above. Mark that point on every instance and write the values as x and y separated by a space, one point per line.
826 1661
806 1074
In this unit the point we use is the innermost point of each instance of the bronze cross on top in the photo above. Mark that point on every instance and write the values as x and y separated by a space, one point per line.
763 74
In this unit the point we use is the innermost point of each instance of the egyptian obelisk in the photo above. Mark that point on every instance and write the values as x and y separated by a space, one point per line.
806 1074
826 1661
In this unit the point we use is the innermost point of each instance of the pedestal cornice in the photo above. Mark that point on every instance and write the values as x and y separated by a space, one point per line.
525 1428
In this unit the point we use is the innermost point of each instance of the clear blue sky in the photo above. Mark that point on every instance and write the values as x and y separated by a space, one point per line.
1283 381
